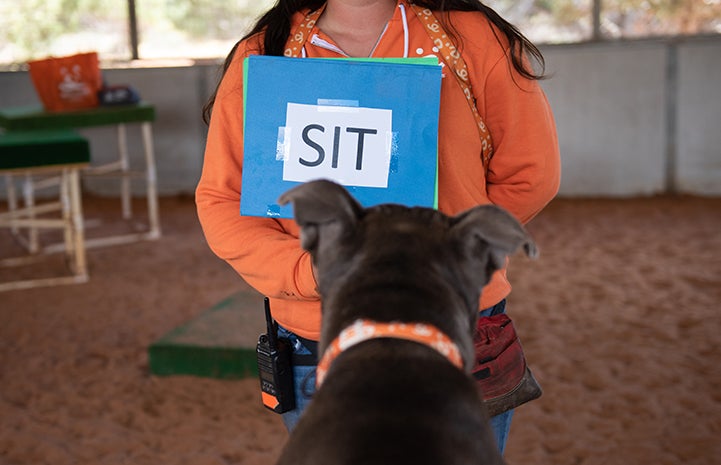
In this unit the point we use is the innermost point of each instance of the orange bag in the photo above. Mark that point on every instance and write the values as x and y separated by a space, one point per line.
67 83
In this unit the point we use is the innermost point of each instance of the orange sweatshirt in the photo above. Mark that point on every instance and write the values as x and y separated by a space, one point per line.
523 174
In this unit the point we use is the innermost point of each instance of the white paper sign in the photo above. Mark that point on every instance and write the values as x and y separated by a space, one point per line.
347 144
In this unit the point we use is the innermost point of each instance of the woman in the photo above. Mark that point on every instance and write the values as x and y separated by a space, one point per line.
508 157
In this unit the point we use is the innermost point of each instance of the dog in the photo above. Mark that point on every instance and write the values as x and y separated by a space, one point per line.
385 399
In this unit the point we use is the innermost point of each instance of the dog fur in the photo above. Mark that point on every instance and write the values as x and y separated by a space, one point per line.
389 401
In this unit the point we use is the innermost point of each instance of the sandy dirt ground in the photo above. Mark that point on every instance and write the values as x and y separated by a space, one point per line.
619 317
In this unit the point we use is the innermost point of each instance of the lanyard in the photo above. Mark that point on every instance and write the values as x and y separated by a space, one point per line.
447 50
455 61
299 36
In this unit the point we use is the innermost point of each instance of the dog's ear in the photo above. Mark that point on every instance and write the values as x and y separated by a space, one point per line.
495 227
320 203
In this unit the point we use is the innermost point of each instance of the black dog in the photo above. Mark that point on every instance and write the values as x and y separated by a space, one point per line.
390 400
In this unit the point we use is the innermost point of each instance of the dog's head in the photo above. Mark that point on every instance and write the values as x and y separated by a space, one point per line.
391 262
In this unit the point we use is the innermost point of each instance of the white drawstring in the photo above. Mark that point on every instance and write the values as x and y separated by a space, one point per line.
405 30
406 40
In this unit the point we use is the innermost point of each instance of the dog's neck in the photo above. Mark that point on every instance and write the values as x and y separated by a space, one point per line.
364 330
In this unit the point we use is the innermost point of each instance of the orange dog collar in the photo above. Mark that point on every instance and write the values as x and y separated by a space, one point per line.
363 330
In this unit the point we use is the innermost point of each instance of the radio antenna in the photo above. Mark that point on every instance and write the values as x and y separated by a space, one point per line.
271 325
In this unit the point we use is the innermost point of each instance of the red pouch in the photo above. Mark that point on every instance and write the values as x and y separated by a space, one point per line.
67 83
501 369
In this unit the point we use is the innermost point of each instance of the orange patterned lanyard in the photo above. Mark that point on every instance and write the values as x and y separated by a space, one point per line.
364 330
454 60
297 39
448 51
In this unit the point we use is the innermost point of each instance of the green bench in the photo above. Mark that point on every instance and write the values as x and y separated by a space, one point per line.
57 156
32 149
218 343
35 118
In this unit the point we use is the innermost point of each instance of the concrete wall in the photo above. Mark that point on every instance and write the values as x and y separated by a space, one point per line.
609 109
698 113
634 118
638 117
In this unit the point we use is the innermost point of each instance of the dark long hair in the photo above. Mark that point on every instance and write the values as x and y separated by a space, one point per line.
276 25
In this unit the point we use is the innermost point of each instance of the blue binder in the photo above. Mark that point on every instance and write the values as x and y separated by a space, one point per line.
371 125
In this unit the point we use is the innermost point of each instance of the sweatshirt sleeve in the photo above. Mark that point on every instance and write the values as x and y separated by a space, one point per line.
524 171
266 252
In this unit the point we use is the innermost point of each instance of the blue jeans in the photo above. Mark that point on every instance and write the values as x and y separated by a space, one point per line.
304 380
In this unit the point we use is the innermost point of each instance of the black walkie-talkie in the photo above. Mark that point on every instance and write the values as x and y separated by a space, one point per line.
274 367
